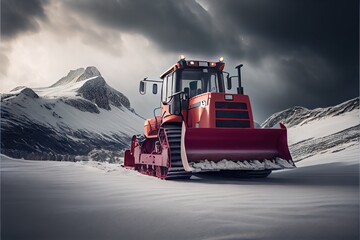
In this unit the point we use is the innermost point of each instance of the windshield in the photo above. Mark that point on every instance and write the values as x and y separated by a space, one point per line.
200 80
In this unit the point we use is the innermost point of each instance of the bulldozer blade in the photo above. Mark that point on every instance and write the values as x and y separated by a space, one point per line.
247 147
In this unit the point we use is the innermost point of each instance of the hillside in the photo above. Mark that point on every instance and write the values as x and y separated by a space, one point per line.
78 113
321 130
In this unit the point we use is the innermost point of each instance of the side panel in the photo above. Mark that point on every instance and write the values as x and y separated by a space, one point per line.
129 160
167 117
153 160
151 127
145 153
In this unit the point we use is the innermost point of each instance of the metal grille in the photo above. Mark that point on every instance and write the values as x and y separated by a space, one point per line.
231 105
232 115
232 123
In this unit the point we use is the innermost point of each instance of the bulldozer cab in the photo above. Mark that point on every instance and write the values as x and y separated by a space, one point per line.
192 81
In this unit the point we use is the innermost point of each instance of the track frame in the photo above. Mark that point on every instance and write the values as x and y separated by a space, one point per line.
159 157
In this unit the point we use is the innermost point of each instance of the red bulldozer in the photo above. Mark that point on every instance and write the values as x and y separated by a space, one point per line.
204 128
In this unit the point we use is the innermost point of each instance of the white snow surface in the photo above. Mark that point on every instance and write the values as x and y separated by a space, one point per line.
91 200
323 127
106 122
349 156
224 164
64 90
66 86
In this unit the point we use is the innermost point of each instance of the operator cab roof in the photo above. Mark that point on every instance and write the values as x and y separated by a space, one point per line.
182 64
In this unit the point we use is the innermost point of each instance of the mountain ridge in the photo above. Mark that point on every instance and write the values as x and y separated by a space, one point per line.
74 116
301 115
317 131
78 75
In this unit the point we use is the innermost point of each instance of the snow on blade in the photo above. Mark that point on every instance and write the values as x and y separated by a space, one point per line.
224 164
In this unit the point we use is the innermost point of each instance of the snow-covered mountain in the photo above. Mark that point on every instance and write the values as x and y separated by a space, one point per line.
77 114
320 130
300 115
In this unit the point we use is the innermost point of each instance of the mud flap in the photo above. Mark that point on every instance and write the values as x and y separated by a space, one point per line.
129 160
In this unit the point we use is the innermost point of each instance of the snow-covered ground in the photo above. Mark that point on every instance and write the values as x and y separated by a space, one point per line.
100 200
65 200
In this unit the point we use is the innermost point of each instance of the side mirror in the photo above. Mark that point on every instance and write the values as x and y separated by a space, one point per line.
228 81
142 88
155 88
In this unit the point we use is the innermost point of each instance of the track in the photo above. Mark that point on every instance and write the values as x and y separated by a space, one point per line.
176 170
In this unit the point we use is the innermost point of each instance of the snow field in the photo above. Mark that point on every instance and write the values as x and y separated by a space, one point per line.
323 127
88 200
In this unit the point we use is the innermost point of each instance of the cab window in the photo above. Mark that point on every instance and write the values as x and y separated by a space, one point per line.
197 81
164 90
168 87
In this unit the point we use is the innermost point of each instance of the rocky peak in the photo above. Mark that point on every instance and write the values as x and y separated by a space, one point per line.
29 92
78 75
89 72
17 88
99 92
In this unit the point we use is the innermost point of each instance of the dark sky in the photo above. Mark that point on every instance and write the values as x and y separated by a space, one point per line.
303 52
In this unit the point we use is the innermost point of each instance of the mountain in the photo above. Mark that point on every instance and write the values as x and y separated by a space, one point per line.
300 115
75 115
320 130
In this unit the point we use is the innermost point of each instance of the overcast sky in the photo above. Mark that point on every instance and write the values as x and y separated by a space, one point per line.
300 52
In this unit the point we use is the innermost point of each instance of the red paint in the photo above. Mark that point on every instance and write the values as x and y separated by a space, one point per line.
216 144
206 115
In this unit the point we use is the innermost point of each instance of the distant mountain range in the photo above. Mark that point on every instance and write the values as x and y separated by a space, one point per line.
320 130
75 115
299 115
81 116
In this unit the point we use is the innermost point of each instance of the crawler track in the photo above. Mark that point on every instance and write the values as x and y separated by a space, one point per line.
176 170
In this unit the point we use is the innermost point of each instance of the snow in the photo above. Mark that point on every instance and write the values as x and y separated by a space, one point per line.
67 89
99 200
224 164
349 156
90 200
106 122
64 90
323 127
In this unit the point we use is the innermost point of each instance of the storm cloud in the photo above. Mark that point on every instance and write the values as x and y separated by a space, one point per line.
314 42
173 25
295 52
20 16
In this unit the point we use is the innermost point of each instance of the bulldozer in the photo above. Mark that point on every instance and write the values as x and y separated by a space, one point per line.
203 127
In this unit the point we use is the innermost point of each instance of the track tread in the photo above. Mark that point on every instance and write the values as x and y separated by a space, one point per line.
176 170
